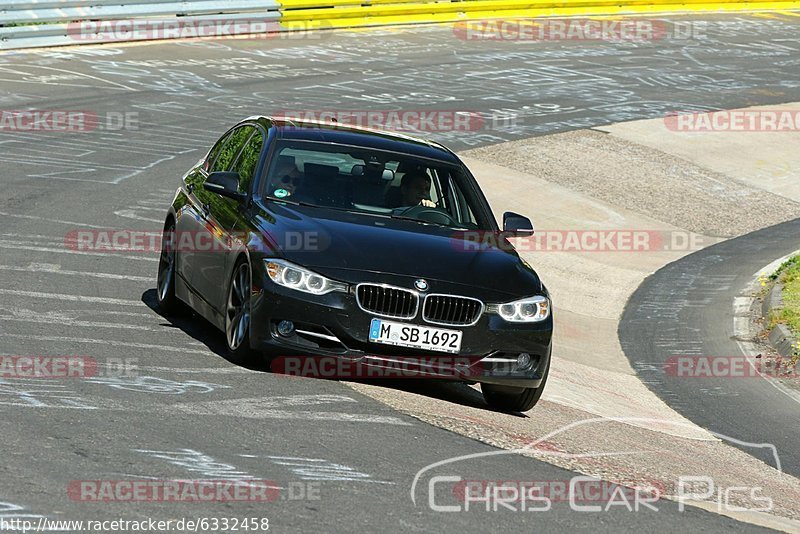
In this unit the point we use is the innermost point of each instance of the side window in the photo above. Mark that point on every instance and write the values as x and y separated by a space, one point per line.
246 163
435 193
463 211
214 152
232 148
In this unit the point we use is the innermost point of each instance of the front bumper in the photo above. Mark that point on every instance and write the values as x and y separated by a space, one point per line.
333 326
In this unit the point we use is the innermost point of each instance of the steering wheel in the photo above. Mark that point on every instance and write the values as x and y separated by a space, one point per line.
426 214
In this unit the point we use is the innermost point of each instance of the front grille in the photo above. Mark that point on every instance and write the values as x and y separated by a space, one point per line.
451 310
387 301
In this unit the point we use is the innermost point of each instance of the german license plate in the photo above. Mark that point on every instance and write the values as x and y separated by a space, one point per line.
415 336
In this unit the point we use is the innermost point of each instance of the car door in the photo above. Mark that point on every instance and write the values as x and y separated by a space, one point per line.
212 241
247 166
190 219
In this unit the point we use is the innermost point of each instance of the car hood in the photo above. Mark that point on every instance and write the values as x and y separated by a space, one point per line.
344 245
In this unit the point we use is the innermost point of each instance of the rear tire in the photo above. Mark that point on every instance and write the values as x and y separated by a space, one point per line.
165 282
513 399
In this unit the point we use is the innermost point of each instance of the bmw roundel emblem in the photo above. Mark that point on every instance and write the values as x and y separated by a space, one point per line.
421 284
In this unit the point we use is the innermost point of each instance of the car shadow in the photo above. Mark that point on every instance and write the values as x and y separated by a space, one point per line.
209 335
195 326
444 390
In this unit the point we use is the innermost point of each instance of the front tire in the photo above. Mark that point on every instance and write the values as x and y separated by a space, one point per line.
237 313
165 282
514 399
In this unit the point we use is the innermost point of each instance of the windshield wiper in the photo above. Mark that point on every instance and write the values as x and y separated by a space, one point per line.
296 202
310 205
404 218
362 212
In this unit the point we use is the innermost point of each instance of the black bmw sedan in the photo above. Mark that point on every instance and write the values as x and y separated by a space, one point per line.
316 240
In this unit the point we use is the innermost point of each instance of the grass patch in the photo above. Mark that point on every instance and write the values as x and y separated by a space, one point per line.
791 263
18 24
789 275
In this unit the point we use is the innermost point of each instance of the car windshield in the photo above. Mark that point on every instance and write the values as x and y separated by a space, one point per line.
373 182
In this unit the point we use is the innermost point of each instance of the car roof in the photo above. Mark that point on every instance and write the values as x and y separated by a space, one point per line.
305 130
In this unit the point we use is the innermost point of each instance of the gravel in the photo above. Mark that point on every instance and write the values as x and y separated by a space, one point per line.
641 179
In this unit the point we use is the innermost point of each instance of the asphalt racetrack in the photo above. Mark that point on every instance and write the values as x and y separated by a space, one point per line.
337 460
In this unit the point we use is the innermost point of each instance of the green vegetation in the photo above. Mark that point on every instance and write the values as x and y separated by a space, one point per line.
792 262
18 24
789 275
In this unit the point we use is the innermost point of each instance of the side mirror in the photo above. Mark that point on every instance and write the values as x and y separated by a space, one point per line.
225 184
517 224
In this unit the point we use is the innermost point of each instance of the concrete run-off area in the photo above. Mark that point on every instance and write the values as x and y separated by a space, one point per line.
637 175
574 134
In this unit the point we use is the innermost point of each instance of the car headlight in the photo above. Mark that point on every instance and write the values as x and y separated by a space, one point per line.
295 277
529 310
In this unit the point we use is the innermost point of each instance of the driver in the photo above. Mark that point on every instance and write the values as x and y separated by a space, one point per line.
415 189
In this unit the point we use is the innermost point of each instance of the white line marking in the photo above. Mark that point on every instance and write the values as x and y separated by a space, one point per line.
16 246
80 324
318 469
255 405
131 214
71 298
60 84
151 165
50 150
57 174
160 209
35 268
53 176
66 405
196 462
41 239
84 144
109 342
181 113
59 221
189 370
79 74
328 416
153 384
186 480
78 313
